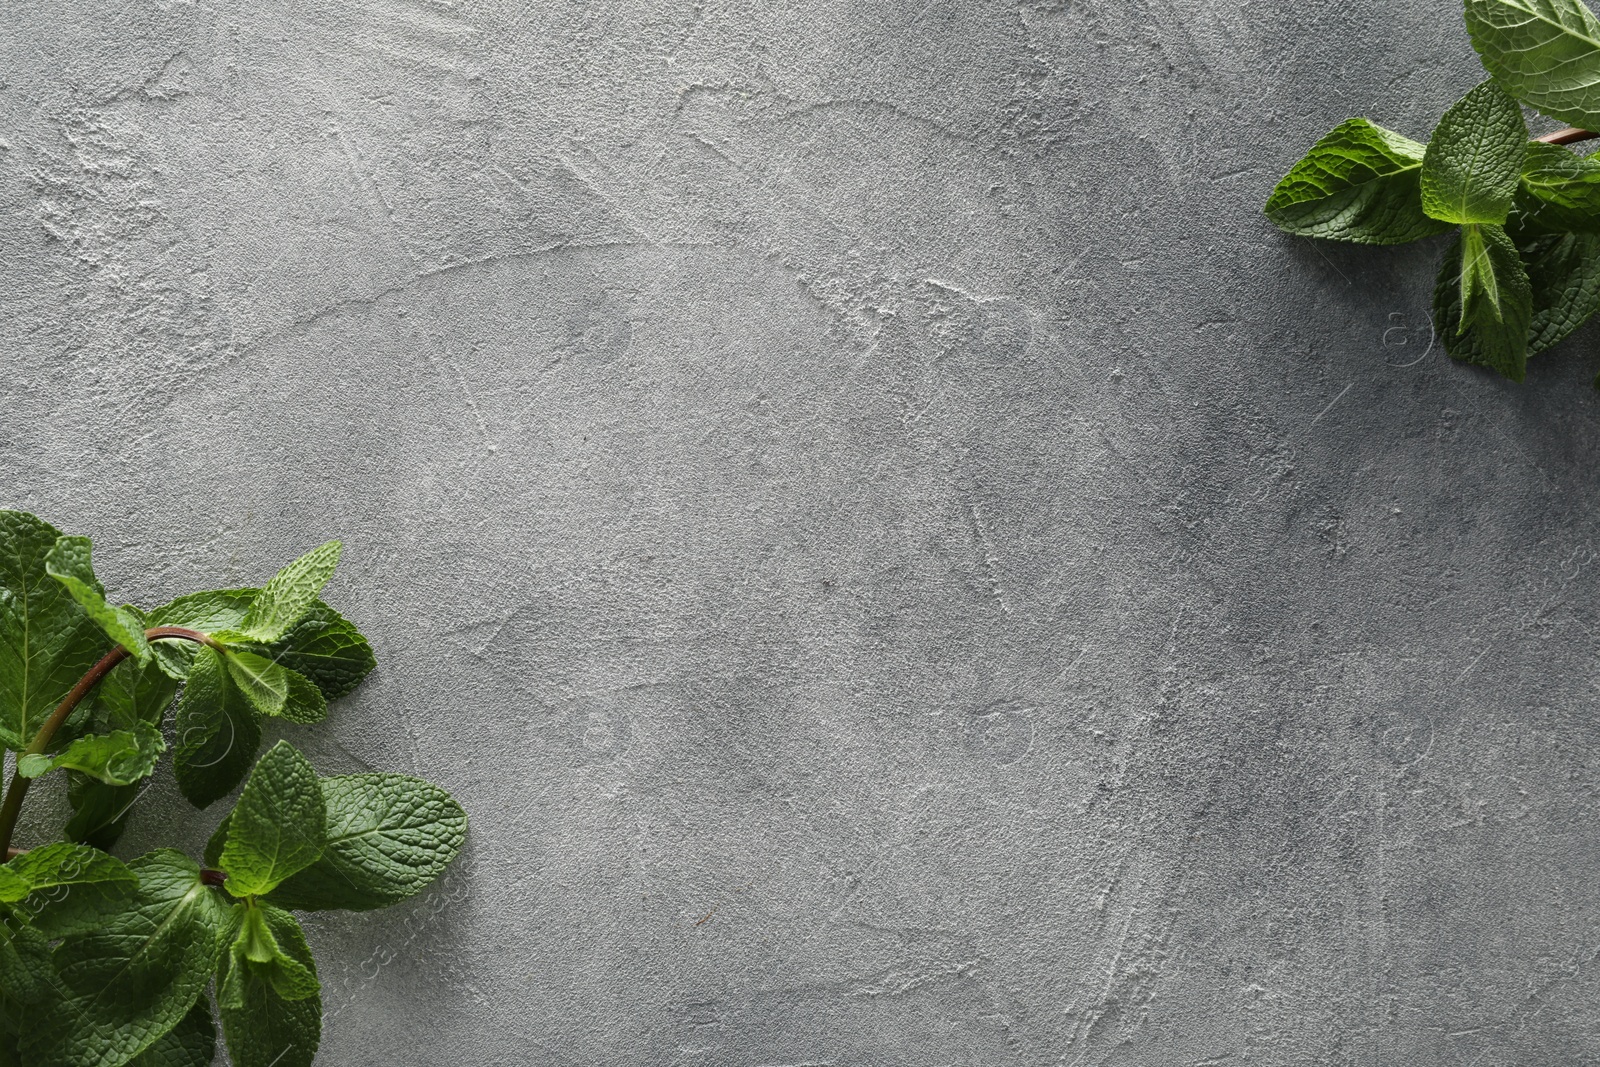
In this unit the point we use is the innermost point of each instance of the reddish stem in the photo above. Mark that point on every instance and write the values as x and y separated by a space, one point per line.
12 807
1570 135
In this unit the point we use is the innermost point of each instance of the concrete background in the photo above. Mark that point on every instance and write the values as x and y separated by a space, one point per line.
901 562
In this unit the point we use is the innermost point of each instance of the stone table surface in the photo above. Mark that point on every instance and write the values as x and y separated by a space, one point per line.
901 562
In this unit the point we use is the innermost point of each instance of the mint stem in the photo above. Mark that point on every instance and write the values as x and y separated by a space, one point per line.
12 807
1569 135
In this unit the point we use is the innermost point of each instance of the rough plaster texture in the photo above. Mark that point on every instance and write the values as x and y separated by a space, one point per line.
901 562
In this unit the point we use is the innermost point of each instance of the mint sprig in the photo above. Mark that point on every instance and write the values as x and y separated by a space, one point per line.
106 964
1523 270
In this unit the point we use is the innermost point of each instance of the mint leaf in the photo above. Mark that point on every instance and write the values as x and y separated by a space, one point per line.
13 886
1564 275
264 684
305 703
1483 301
192 1043
273 689
25 974
118 989
263 1028
70 888
68 563
121 757
1564 272
1359 183
47 642
326 648
256 949
217 732
1473 161
1560 190
99 811
388 836
290 594
323 645
276 828
133 693
10 1026
213 611
1545 53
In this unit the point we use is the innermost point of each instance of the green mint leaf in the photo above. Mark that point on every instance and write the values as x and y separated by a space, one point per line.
1545 53
1483 301
11 1011
25 973
133 693
214 611
277 827
323 645
121 757
68 563
326 648
120 988
32 765
13 886
273 689
1470 171
290 594
192 1043
262 1027
71 888
99 811
264 684
1564 275
305 703
1359 183
388 836
217 732
256 949
1560 191
47 642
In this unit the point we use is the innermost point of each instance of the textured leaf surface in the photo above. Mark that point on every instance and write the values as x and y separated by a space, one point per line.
123 986
262 1028
192 1043
69 563
305 703
218 733
99 811
1545 53
1483 301
1474 160
121 757
273 689
326 648
1564 276
213 611
47 641
290 594
1359 183
277 827
388 837
1559 192
70 888
264 684
133 693
25 974
256 949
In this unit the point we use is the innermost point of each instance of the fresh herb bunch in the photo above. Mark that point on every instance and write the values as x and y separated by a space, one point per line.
1523 270
105 963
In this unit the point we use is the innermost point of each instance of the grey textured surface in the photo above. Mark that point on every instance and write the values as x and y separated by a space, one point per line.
900 561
